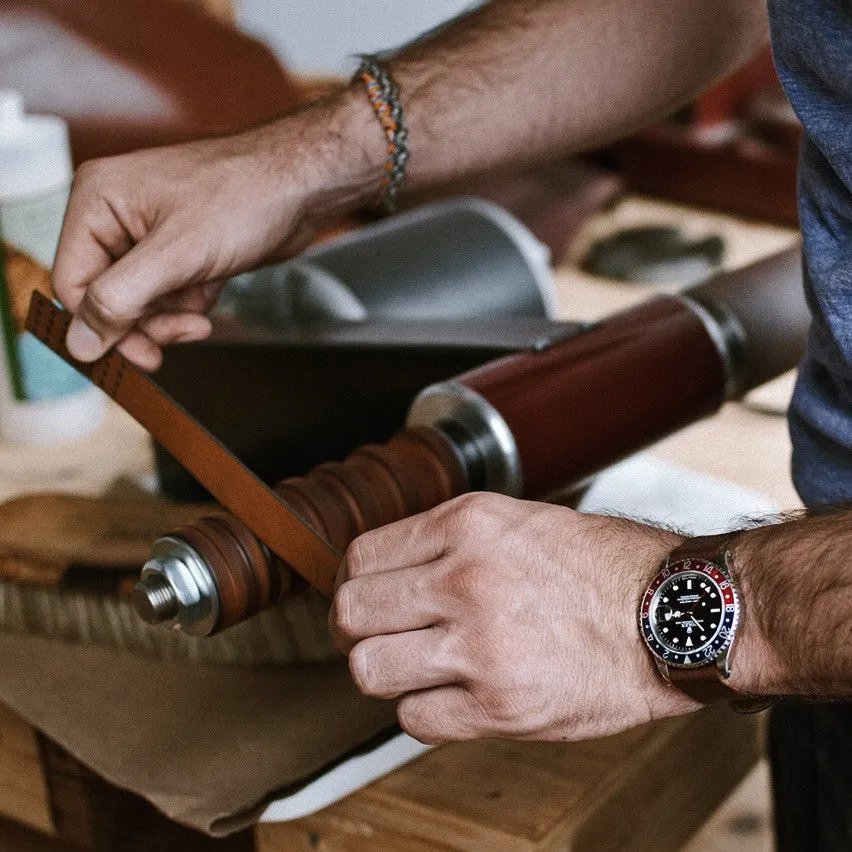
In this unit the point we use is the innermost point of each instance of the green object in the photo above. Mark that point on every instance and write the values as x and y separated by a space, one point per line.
44 375
10 335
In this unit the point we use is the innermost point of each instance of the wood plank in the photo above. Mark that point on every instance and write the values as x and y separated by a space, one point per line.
22 777
19 838
744 821
638 790
664 813
18 741
23 791
352 826
25 809
16 734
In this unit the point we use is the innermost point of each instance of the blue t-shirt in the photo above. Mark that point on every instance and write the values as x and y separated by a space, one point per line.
812 43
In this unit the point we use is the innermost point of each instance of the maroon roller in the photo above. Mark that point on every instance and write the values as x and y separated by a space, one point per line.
527 425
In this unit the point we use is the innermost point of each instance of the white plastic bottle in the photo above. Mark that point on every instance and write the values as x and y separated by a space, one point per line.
42 399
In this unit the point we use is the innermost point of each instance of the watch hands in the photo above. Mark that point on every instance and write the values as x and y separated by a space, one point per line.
698 599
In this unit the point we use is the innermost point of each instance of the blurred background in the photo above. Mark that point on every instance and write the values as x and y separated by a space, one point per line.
321 38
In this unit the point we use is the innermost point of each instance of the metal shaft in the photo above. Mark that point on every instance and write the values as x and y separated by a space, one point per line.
523 425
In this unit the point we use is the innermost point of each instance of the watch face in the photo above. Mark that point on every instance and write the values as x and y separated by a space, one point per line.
689 613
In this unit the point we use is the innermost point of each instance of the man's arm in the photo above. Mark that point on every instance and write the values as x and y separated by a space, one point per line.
146 233
494 617
796 580
519 80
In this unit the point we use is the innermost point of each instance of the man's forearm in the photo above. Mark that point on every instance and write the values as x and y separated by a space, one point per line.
515 80
796 581
519 80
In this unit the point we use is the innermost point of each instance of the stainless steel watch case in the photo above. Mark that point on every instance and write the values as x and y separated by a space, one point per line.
724 655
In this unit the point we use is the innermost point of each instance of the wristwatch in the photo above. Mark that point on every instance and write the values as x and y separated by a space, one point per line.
689 618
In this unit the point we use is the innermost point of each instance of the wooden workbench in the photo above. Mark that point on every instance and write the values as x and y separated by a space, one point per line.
649 788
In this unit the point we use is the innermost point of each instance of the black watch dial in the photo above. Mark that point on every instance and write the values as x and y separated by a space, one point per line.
689 612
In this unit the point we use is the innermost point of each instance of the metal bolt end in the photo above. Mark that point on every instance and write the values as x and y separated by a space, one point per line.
155 600
729 337
482 438
177 589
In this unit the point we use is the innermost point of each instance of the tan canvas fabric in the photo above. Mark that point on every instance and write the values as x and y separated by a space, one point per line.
293 632
209 746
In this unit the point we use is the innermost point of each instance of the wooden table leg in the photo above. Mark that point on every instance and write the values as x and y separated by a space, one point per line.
23 792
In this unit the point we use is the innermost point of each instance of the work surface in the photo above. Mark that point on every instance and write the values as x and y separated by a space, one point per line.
639 790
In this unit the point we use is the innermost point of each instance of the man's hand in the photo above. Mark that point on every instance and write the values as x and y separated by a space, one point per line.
495 617
148 235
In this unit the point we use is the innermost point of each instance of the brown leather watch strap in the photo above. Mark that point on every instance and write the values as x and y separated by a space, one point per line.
217 469
705 683
702 547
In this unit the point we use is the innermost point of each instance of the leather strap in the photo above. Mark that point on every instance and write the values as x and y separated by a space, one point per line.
217 469
707 547
705 683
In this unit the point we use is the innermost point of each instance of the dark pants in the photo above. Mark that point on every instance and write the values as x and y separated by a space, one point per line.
810 746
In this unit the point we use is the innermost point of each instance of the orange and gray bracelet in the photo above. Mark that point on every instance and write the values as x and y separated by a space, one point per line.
384 98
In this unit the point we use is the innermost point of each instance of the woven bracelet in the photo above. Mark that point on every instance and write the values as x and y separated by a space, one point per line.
384 99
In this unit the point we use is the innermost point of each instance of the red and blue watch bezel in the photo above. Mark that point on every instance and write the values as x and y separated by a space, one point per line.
719 642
